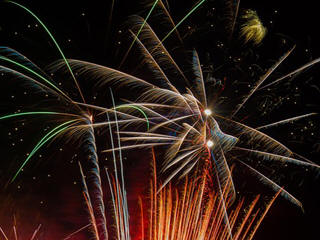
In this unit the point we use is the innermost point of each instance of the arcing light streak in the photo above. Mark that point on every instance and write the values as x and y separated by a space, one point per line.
36 74
183 19
54 132
147 17
35 113
286 121
292 73
137 108
54 41
261 80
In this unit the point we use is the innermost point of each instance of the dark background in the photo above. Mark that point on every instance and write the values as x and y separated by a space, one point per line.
83 31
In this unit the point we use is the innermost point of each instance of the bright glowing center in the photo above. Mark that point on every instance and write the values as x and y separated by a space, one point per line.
209 143
207 112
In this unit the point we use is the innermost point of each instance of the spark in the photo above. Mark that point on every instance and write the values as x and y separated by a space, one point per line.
207 112
54 41
253 29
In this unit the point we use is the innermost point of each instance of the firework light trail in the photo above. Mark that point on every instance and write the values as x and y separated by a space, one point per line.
173 114
191 130
185 212
75 123
16 234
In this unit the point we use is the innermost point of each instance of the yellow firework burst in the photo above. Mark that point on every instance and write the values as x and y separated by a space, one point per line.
252 30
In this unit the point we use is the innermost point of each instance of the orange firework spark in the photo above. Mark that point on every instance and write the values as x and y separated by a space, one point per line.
191 212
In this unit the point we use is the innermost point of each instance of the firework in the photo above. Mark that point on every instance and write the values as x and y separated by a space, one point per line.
73 122
16 233
252 30
191 128
172 112
186 212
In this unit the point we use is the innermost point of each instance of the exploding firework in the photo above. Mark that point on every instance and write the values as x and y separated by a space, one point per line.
172 112
16 234
252 29
182 118
186 212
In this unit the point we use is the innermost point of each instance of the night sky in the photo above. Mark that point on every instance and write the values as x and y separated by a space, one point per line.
48 191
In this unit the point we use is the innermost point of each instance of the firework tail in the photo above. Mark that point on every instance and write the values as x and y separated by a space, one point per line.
93 180
192 212
55 43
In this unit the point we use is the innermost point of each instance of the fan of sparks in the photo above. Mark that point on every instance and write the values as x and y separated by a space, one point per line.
177 117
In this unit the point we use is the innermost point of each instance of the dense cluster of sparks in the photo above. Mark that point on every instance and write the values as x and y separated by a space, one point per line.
176 119
252 29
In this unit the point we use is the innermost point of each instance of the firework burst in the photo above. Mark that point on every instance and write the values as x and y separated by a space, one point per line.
183 120
252 29
172 111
